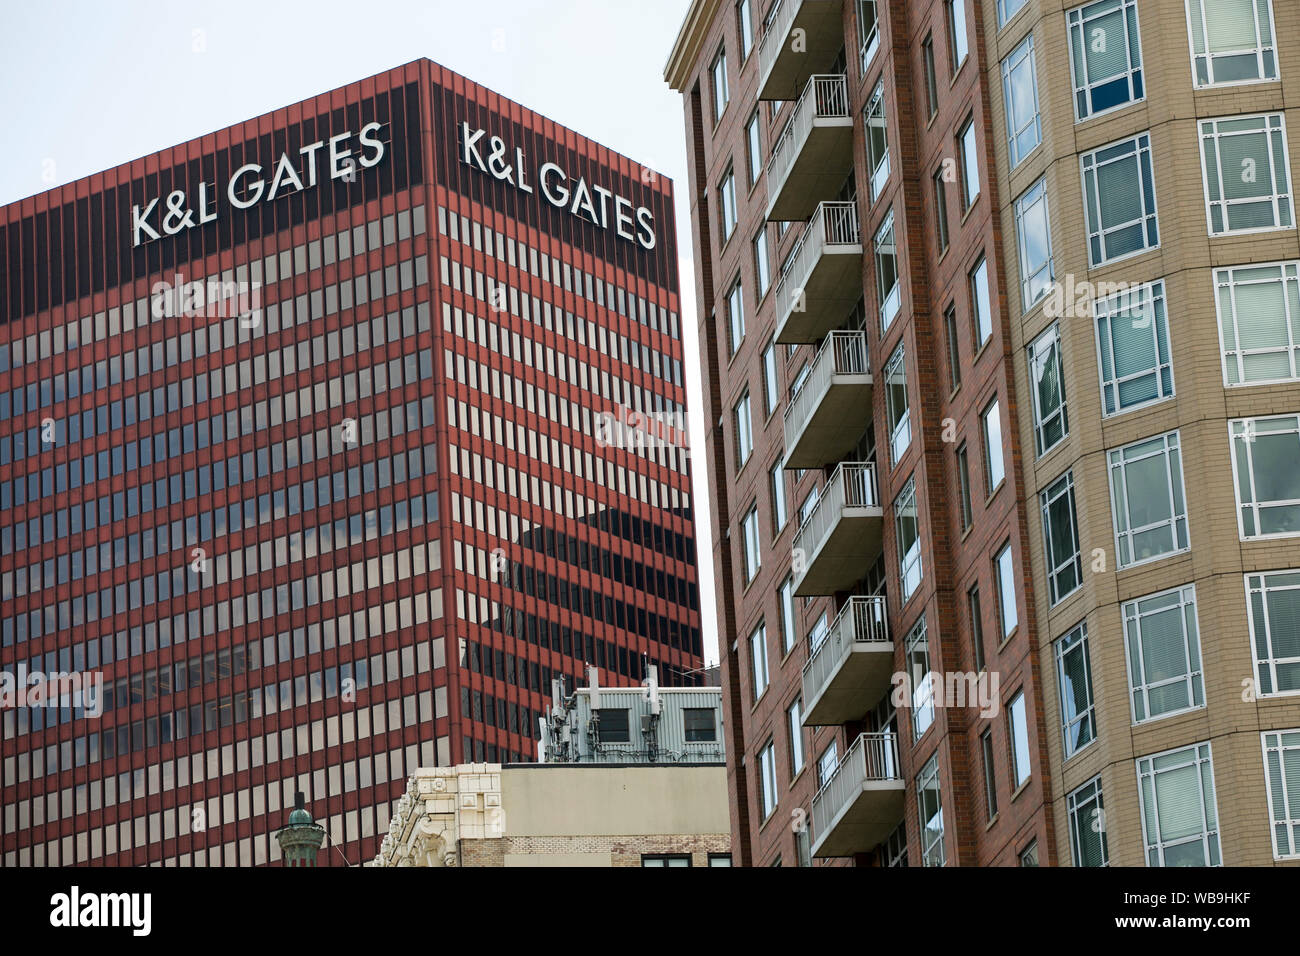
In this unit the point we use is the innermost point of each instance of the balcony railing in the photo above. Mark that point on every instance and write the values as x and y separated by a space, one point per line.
861 802
822 417
825 97
852 486
842 535
861 626
833 228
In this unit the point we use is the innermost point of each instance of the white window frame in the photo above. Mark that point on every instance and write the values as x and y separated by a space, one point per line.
794 725
730 217
758 670
744 430
1265 52
868 34
1045 350
899 419
780 509
877 132
1020 59
885 245
932 848
1077 21
970 166
1035 284
1235 282
1170 449
1181 600
995 469
916 653
958 40
910 572
1075 643
1277 745
1200 758
771 390
754 148
1244 436
1018 740
736 315
1008 9
789 625
1273 126
977 279
1088 799
1004 579
1150 298
1063 487
719 83
762 267
1262 636
745 24
1135 150
751 544
767 779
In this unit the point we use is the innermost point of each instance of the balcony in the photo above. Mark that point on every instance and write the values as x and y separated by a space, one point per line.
823 281
851 668
785 58
814 153
832 407
842 536
862 801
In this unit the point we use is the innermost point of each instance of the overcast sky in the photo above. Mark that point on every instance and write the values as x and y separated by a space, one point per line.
88 86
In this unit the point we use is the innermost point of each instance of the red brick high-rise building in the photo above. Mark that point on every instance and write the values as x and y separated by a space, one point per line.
329 440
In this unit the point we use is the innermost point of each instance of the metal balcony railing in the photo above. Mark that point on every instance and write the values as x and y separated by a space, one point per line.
873 757
853 485
825 96
863 620
776 28
841 353
833 224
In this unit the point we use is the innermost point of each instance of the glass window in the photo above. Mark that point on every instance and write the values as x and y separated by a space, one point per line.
990 774
931 87
1018 734
868 32
1020 89
1274 603
736 316
896 406
1087 811
954 347
727 204
1105 56
940 211
1163 650
721 92
877 141
752 546
753 148
1004 576
1074 679
1282 779
1259 323
970 166
826 764
1180 824
1147 499
1047 381
777 477
657 860
1008 9
929 805
745 24
771 391
1119 200
762 268
1033 233
957 33
1061 538
767 779
981 308
744 431
994 469
1133 348
1265 453
788 631
758 659
612 725
794 725
917 650
1247 188
1232 41
700 724
908 538
888 288
963 486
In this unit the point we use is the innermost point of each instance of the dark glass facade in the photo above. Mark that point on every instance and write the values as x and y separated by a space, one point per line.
360 530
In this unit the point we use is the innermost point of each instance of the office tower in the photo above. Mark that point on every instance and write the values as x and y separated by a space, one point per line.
331 439
1020 279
